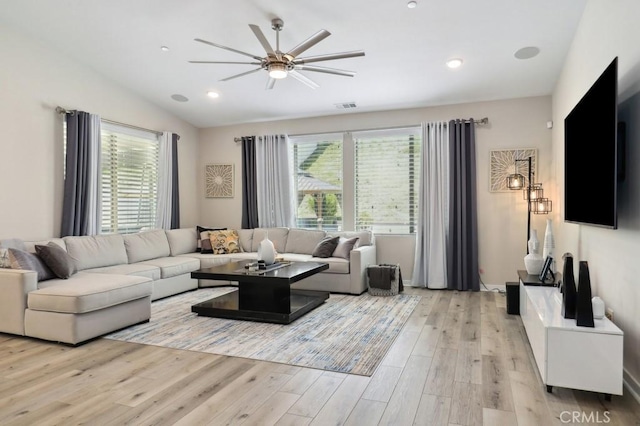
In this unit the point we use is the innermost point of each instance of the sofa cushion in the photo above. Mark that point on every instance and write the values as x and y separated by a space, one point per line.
137 269
182 240
86 292
336 264
209 260
245 236
21 259
344 247
174 266
57 259
303 241
30 246
96 251
365 238
325 247
278 237
146 245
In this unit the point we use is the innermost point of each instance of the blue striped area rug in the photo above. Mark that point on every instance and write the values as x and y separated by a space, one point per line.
347 334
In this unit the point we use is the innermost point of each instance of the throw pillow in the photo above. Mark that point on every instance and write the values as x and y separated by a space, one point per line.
57 259
24 260
224 242
200 237
325 247
344 247
4 258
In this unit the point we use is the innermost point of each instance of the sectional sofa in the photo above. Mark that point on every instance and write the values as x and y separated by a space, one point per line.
119 275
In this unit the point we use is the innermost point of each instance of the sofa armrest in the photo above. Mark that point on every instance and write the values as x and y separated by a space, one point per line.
15 285
359 259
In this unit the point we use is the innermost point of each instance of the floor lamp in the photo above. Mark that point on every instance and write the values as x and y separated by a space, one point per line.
533 193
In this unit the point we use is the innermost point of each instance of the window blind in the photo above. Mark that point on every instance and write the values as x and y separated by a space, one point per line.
387 172
129 179
317 162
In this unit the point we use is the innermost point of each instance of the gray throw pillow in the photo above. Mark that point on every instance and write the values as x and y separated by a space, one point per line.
344 247
24 260
325 247
57 260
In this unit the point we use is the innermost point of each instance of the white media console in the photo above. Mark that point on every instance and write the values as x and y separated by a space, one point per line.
569 356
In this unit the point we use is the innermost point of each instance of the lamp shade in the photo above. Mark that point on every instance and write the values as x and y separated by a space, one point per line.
515 181
534 192
540 206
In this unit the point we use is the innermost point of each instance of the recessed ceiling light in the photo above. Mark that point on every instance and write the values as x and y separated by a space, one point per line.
213 94
164 48
179 98
454 63
412 4
527 52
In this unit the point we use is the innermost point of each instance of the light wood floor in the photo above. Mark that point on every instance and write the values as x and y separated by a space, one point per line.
460 360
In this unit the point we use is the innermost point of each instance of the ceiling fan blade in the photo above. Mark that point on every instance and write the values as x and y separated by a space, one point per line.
270 83
304 80
228 48
326 70
263 40
308 43
241 75
329 57
221 62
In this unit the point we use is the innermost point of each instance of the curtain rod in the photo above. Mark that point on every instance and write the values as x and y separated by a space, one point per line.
482 121
61 110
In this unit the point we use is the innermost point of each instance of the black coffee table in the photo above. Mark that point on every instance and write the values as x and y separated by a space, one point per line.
264 296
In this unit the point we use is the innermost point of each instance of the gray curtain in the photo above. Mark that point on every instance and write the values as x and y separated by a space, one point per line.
276 206
80 206
462 250
175 187
249 184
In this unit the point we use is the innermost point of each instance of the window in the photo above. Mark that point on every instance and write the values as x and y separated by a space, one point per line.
129 179
387 170
317 162
380 170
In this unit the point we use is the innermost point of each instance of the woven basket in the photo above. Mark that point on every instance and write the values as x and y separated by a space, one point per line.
384 292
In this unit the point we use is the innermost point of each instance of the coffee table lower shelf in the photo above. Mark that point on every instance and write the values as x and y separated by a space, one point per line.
228 306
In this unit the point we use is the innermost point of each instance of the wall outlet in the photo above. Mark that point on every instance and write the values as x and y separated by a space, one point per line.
609 314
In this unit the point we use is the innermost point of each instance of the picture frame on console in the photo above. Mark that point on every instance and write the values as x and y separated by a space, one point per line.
546 274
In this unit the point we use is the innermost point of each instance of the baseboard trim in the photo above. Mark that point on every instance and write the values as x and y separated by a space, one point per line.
632 385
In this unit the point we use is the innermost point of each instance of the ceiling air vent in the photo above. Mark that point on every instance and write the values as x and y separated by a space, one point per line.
346 105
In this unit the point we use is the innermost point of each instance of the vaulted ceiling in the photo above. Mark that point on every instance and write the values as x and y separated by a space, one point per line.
406 50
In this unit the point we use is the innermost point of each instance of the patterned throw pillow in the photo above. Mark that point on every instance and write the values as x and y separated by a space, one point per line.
202 234
24 260
4 258
224 242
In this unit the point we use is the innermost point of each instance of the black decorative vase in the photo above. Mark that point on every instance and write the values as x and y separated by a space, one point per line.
569 294
584 308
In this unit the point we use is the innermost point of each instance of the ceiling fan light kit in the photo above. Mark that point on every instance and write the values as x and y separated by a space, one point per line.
279 65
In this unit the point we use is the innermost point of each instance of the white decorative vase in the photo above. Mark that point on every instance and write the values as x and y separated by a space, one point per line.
549 241
533 262
598 307
266 250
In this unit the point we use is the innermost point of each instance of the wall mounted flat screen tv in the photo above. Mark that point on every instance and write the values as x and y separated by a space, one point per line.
591 154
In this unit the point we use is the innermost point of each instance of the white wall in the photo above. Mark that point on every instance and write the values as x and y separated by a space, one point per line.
518 123
607 29
33 81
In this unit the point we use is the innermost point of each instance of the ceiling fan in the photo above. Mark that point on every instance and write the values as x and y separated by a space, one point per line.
279 64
